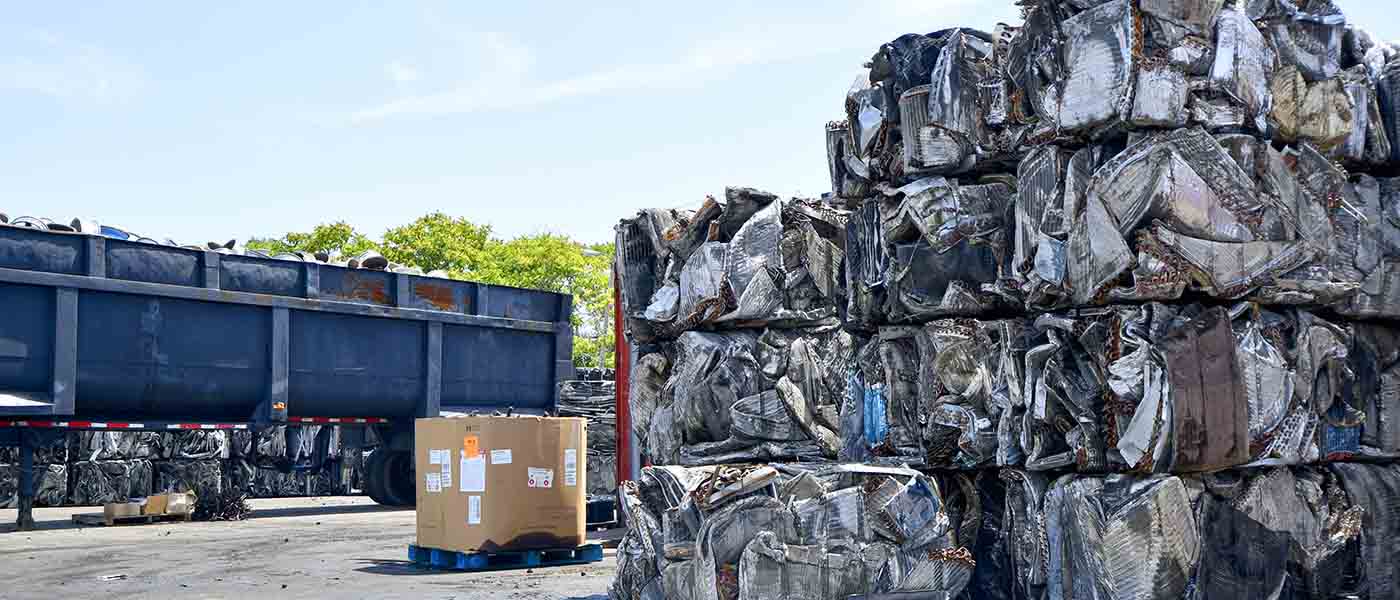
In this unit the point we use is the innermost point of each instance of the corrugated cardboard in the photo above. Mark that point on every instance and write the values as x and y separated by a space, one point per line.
155 505
180 504
509 483
172 504
117 510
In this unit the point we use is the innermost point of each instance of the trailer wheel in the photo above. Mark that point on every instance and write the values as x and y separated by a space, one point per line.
397 477
374 476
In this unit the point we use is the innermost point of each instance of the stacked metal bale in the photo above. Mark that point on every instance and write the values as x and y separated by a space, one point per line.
51 469
595 400
733 309
290 461
91 468
112 466
797 531
1122 274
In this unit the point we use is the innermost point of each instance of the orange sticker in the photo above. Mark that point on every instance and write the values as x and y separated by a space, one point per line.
470 446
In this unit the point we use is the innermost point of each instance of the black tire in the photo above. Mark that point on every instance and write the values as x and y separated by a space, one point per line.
374 476
399 487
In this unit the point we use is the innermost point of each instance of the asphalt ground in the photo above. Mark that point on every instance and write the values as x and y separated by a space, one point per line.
289 548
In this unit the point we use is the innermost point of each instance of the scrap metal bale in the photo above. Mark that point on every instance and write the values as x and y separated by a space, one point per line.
741 397
1099 63
750 261
1145 542
195 445
113 445
1375 361
1176 212
241 444
49 451
1369 241
949 248
1285 532
785 531
1244 65
971 387
1370 490
202 477
94 483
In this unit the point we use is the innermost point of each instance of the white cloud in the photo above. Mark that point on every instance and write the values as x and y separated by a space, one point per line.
401 73
503 81
53 66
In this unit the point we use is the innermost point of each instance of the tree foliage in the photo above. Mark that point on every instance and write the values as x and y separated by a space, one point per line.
337 238
437 241
466 250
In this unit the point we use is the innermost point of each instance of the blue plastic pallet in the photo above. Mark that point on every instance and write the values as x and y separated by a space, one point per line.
498 561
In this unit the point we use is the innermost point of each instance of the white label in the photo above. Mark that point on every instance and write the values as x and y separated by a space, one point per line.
500 457
541 478
473 510
447 473
434 482
434 457
570 467
474 474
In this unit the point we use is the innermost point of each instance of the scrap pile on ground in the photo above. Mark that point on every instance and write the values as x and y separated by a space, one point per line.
1118 282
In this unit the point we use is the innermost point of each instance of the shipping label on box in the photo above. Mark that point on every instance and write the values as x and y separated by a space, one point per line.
541 478
570 467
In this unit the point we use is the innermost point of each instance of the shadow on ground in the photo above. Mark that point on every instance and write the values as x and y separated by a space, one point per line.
316 511
374 566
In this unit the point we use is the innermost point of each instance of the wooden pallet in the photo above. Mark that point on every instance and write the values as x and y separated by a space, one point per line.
497 561
99 519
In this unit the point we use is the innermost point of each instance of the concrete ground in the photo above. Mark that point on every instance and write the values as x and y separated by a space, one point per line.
293 548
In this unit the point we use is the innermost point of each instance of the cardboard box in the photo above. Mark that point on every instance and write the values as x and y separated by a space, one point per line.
180 504
494 484
155 505
117 510
170 504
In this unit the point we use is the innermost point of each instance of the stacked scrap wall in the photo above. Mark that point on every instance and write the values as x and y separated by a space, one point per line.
91 468
1112 319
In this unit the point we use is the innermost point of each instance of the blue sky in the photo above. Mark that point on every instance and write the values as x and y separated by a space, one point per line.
201 121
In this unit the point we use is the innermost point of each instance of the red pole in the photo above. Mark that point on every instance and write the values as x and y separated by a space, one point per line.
623 390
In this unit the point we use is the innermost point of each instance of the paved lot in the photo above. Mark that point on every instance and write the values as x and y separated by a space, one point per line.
296 548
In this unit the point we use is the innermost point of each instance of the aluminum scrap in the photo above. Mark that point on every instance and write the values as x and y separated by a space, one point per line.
1119 282
796 532
597 402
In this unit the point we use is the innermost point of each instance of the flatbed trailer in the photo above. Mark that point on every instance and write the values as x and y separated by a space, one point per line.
101 333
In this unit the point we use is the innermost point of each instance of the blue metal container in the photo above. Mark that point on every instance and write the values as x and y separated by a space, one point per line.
111 329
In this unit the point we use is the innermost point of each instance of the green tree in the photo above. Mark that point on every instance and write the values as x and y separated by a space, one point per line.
437 241
337 238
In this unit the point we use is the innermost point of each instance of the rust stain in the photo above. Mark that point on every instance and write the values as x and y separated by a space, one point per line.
435 294
357 288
